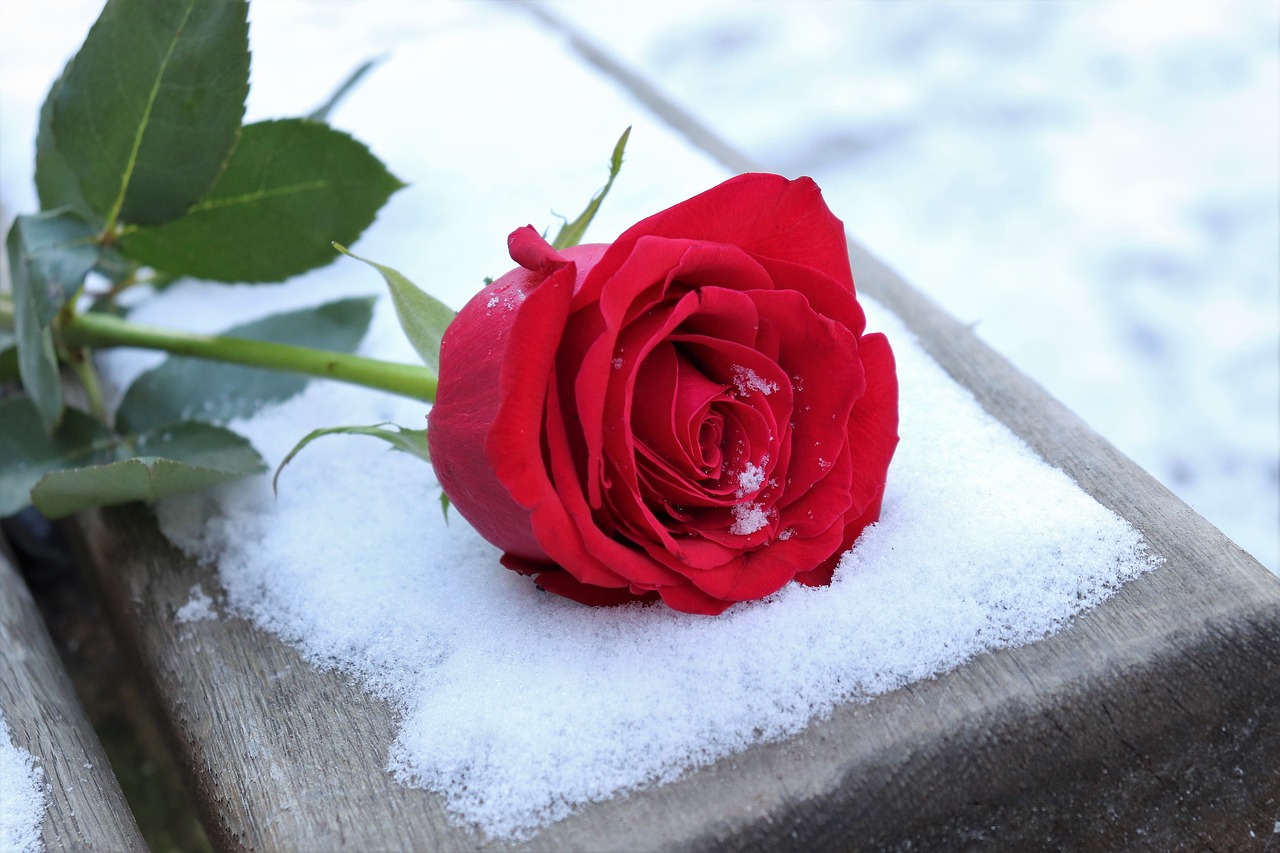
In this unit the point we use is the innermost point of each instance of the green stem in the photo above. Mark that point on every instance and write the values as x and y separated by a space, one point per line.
104 330
83 367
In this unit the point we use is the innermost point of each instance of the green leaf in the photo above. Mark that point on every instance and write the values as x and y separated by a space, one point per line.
49 256
411 441
56 250
182 457
149 108
422 317
56 183
28 451
571 233
182 388
8 357
291 188
321 113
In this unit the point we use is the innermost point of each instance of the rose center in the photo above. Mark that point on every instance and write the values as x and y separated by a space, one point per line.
710 435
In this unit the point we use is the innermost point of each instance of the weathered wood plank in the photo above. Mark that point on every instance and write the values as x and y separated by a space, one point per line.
1152 722
86 809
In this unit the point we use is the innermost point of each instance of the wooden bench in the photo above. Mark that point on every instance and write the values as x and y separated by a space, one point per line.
85 808
1153 722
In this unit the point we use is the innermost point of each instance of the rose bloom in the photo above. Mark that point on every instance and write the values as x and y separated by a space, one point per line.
692 412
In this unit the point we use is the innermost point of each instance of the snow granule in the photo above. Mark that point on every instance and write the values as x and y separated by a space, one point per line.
751 478
748 518
23 799
199 606
746 380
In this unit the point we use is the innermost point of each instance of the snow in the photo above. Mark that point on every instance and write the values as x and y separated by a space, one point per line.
751 478
198 607
746 380
748 517
517 706
22 796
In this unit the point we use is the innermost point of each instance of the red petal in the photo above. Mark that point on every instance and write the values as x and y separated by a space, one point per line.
826 380
556 580
767 216
474 359
873 426
529 250
822 574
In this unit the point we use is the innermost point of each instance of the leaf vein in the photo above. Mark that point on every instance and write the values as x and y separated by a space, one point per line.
146 117
259 195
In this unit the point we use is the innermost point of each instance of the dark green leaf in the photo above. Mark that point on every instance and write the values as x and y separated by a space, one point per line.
183 388
321 113
56 251
422 317
571 233
8 363
182 457
56 184
445 503
28 451
49 256
411 441
148 110
8 357
291 188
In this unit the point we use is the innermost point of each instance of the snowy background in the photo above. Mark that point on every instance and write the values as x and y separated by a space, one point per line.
1093 185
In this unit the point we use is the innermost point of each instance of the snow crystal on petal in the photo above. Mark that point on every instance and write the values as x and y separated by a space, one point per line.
751 478
747 380
748 517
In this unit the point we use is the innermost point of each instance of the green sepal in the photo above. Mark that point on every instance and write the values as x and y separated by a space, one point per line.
423 318
411 441
571 233
321 113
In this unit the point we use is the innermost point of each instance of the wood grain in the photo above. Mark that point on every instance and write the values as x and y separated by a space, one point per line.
86 809
1152 722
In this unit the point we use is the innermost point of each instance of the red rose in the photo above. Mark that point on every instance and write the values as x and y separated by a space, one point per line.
692 412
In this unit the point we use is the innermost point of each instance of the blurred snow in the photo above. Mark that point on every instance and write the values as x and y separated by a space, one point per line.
1093 185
